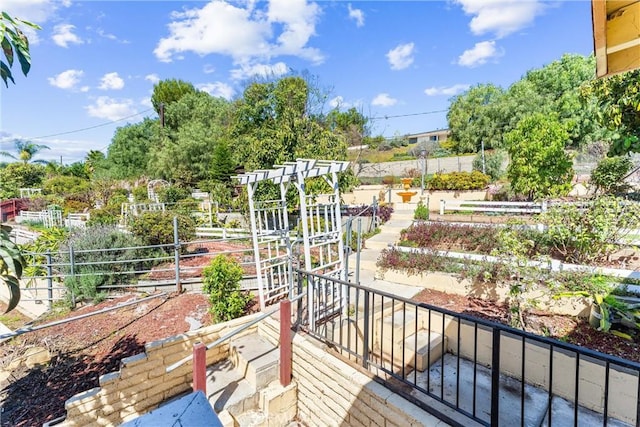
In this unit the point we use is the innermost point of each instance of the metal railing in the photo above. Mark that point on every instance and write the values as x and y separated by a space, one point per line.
452 363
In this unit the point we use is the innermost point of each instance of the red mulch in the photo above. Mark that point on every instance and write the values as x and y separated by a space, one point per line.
85 349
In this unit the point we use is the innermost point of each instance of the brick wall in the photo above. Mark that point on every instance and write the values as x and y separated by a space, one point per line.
332 392
142 382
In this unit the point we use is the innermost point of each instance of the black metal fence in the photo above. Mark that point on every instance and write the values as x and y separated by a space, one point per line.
467 370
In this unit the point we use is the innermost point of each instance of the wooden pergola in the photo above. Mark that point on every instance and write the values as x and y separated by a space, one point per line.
616 35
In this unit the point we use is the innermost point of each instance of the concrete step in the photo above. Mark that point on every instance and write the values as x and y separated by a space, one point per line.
394 328
255 358
368 259
253 418
228 390
396 224
380 241
403 215
423 348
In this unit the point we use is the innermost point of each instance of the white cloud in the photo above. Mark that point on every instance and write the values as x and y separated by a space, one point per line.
153 78
479 54
217 89
244 33
384 100
501 17
111 81
110 36
38 11
401 56
63 35
146 102
446 90
247 71
66 79
339 102
357 15
112 109
208 69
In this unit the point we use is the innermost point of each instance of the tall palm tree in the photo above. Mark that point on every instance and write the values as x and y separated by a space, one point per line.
26 150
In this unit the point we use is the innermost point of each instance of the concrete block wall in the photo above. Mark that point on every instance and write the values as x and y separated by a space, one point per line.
623 383
332 392
142 383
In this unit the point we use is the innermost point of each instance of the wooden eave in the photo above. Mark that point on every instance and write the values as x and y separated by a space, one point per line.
616 35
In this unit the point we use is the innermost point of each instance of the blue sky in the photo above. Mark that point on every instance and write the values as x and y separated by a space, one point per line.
95 62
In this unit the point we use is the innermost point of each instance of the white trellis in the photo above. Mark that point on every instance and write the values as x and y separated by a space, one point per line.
152 189
320 223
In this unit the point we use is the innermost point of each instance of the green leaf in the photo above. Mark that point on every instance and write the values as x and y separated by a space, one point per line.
7 49
14 292
25 59
5 73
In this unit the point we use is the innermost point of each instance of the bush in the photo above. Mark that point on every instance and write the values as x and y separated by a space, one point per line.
458 181
173 194
221 281
421 212
608 176
71 187
585 235
156 228
449 236
103 256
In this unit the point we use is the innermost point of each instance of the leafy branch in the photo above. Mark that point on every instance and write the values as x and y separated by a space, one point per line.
15 44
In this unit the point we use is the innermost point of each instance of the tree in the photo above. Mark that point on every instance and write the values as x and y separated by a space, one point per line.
26 151
129 152
11 265
19 175
94 160
195 124
223 166
169 91
539 165
14 45
472 118
618 99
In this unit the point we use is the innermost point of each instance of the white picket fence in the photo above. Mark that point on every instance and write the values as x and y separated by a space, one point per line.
49 218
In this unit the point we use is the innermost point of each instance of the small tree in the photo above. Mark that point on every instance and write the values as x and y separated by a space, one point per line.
156 228
539 165
221 281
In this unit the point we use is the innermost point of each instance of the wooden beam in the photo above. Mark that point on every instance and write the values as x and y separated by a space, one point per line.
599 18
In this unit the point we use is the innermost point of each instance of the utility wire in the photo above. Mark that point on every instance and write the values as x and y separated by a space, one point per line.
93 127
407 115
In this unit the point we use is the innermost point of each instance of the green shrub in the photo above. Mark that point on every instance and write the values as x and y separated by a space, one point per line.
173 194
103 256
71 187
458 181
421 212
221 281
140 194
585 235
608 176
156 228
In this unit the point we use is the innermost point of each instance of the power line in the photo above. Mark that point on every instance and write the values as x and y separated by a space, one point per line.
407 115
93 127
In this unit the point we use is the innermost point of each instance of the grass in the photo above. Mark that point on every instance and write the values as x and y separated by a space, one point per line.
375 156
